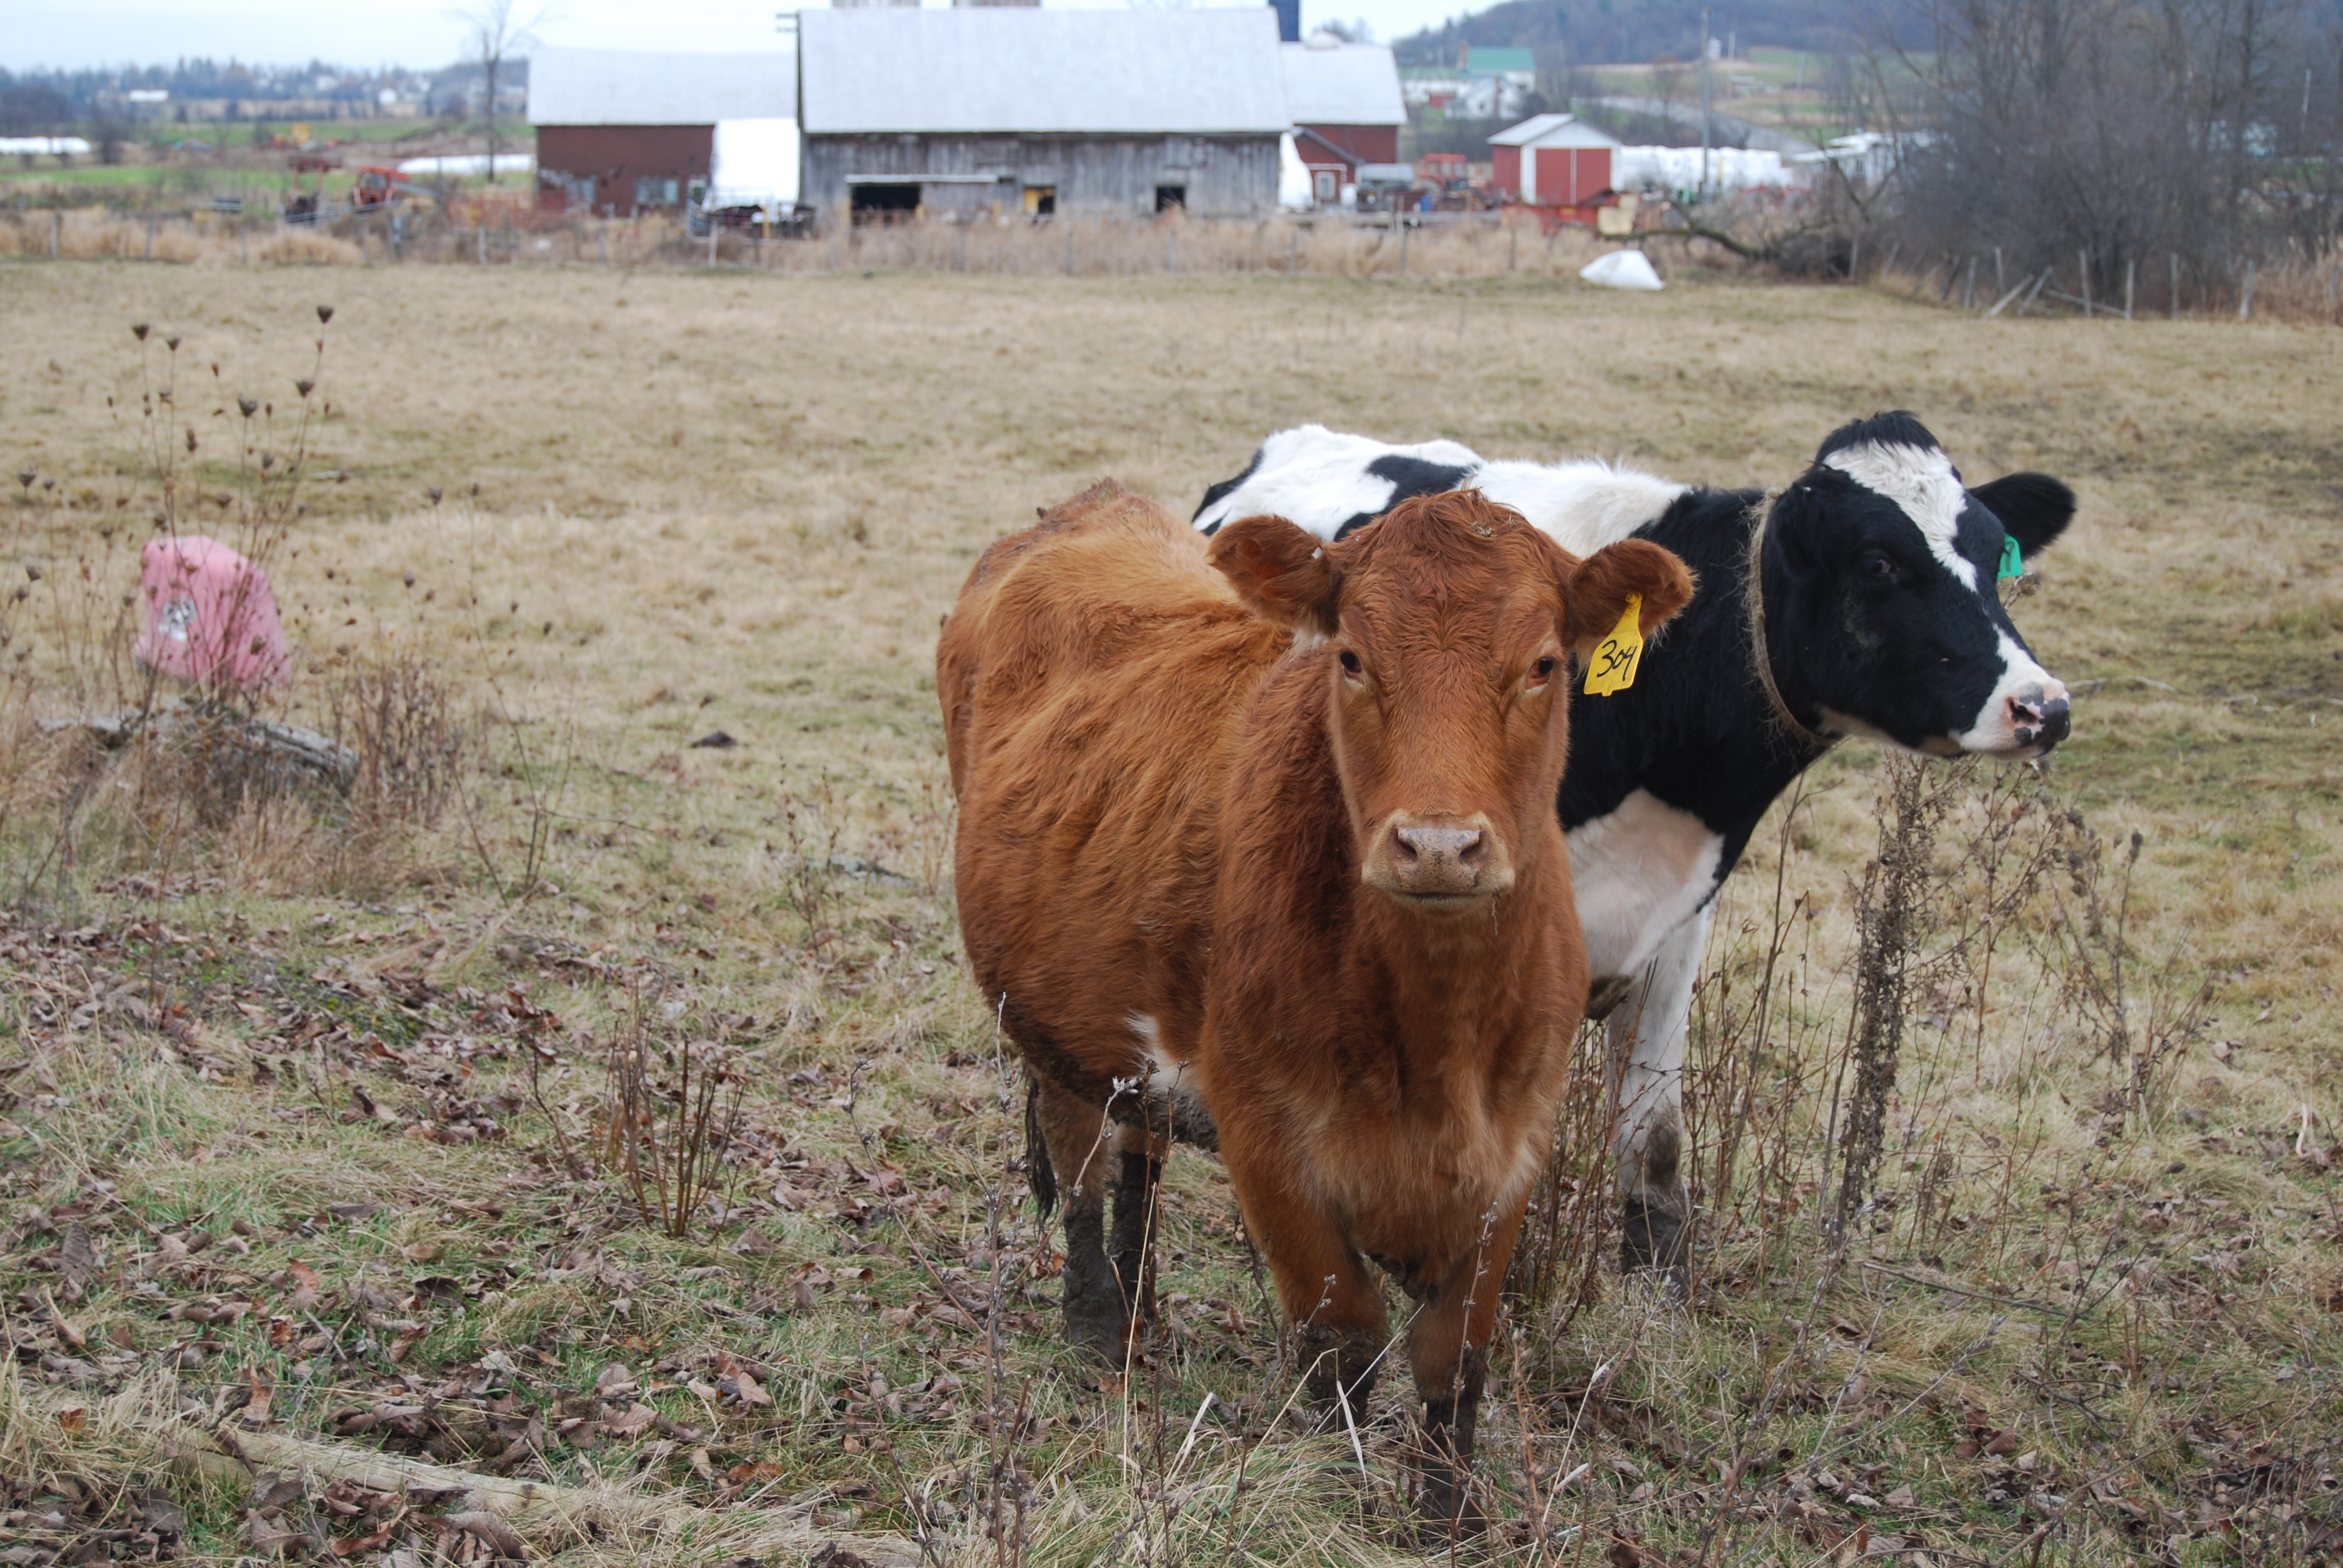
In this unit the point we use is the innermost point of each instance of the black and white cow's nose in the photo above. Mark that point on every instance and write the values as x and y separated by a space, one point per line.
2037 718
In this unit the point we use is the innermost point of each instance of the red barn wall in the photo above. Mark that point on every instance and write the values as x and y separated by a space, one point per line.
1507 173
1366 144
615 156
1568 175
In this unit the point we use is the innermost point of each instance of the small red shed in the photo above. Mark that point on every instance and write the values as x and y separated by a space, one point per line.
1554 160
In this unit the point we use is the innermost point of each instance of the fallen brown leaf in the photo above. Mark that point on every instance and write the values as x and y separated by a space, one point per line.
77 1257
488 1527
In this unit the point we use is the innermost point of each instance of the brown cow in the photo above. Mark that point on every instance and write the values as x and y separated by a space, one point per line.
1281 834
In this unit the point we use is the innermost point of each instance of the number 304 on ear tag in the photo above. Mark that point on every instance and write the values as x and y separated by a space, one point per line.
1612 669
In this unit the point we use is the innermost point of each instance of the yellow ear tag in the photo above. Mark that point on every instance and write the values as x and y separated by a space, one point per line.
1613 668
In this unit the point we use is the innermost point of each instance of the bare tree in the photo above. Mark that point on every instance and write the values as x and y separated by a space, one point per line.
1667 82
2102 135
496 33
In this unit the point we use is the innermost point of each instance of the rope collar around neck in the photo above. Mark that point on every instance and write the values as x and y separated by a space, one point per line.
1760 655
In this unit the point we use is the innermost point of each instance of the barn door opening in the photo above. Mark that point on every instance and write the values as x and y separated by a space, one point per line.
885 203
1171 198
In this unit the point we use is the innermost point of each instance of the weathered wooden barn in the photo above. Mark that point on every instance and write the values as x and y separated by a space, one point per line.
999 111
620 131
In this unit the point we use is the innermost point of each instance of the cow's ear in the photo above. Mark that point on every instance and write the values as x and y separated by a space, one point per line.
1794 525
1599 586
1281 572
2035 507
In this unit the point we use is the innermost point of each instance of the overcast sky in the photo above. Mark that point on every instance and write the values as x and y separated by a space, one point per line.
425 33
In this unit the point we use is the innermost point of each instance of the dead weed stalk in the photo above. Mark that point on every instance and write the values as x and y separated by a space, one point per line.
1895 911
663 1136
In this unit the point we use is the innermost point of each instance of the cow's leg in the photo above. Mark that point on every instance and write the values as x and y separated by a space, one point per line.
1331 1294
1448 1351
1646 1070
1080 1143
1138 1166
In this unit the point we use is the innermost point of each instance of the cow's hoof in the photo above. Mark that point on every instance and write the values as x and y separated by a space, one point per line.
1100 1329
1653 1241
1338 1368
1445 1508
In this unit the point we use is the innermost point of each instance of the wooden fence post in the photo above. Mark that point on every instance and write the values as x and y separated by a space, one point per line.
1968 289
2175 258
57 232
2131 276
1171 263
2083 271
2246 296
1294 250
1402 218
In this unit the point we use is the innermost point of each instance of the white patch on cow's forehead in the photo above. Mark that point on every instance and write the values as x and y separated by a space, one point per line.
1921 480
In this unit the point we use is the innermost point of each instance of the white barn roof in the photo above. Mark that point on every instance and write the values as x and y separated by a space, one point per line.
980 69
636 88
1342 84
1554 131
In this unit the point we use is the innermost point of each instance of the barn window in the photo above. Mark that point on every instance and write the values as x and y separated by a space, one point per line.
1169 198
654 190
1326 186
1040 201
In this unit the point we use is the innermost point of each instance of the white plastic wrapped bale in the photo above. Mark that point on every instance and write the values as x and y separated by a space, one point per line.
1678 168
755 164
468 165
1292 177
1629 269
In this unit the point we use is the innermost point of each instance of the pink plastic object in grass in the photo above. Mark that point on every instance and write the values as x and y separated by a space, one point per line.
209 617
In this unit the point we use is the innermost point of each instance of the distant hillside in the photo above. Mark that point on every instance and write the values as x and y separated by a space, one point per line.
1626 32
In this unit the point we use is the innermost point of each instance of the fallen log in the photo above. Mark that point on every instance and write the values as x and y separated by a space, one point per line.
542 1514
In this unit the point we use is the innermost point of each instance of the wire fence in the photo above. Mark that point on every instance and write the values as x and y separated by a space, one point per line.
2304 283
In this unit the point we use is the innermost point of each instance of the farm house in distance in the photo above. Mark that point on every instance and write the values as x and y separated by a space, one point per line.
1003 110
1345 106
620 132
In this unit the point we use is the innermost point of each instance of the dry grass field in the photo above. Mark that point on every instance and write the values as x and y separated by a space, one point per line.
334 1133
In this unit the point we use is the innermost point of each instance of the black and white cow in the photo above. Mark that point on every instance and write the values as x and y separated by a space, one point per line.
1871 581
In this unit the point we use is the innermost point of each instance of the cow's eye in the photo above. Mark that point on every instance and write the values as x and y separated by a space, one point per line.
1543 667
1877 568
1349 661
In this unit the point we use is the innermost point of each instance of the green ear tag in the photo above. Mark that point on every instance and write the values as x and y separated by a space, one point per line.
2012 564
